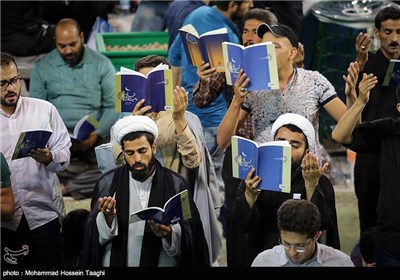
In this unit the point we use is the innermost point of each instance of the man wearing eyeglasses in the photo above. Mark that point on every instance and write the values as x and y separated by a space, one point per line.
299 223
32 236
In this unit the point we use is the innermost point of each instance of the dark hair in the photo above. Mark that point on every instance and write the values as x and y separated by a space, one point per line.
73 230
223 5
294 128
67 21
262 15
367 244
6 59
300 216
136 135
385 14
150 61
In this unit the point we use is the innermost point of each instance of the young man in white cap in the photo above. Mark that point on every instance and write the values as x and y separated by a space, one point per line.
258 229
142 182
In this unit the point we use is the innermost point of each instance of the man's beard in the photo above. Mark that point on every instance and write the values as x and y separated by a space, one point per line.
142 175
74 58
10 104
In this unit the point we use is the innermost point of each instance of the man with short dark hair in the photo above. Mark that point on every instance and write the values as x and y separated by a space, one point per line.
32 236
299 223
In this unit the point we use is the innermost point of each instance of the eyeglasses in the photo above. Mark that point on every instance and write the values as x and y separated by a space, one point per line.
5 83
297 248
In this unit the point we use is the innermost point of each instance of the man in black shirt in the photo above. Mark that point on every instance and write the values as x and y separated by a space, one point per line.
381 138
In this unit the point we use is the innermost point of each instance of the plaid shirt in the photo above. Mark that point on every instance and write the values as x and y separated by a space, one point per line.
204 93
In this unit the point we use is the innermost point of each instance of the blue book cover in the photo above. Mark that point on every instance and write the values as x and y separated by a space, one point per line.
258 62
205 47
156 88
86 125
392 76
176 209
272 161
30 139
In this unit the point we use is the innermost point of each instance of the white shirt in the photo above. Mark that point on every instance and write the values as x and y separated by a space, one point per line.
31 181
139 194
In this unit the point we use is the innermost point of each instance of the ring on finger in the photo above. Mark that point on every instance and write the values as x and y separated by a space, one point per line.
108 210
243 89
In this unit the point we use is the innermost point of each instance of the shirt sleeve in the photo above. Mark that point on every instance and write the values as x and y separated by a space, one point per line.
59 143
188 148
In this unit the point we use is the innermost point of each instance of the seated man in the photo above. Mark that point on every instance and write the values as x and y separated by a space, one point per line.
78 82
140 183
299 223
252 215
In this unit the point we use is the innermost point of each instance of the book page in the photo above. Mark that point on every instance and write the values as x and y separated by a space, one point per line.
215 31
233 61
274 166
261 67
191 44
244 156
211 46
188 28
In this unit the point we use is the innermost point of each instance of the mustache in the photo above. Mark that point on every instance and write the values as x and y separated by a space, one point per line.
10 93
393 44
138 165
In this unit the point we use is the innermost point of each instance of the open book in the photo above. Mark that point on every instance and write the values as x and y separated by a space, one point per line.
156 88
392 76
86 125
272 161
205 47
176 209
30 139
258 62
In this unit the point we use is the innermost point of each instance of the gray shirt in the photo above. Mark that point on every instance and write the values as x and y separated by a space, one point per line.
324 256
304 95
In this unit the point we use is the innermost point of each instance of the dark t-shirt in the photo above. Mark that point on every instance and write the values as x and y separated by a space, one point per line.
382 137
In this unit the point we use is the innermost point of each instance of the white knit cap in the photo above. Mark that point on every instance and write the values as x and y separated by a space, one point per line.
297 120
133 124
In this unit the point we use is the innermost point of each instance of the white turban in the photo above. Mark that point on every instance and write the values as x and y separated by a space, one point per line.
297 120
133 124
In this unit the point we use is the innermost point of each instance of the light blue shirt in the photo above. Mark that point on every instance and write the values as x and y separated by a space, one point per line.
85 89
325 256
203 19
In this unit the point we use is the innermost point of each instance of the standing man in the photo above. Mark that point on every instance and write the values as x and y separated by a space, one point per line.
381 138
142 182
382 104
221 14
32 236
79 82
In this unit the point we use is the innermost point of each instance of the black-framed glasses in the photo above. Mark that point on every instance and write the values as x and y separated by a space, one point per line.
5 83
298 248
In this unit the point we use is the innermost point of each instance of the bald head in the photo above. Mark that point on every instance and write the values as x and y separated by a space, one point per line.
69 41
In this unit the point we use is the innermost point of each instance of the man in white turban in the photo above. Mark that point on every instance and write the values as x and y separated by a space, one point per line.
140 183
260 207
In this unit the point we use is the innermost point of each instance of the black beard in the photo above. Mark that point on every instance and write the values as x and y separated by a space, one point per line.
7 104
142 175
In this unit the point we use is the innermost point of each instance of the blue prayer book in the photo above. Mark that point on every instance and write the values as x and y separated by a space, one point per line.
30 139
176 209
272 161
258 62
